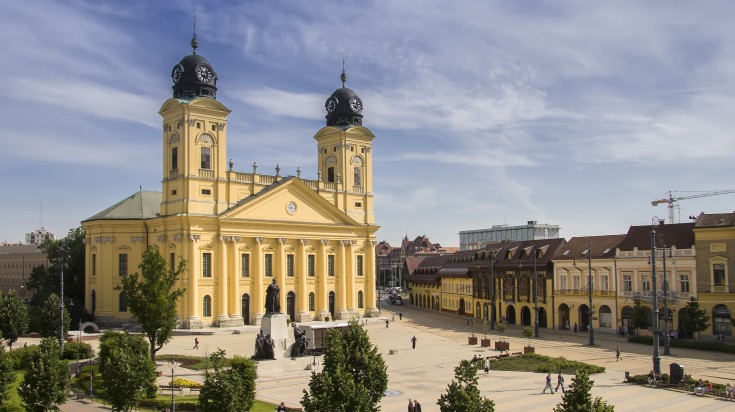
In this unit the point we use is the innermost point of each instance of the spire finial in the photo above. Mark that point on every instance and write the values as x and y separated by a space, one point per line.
343 77
194 41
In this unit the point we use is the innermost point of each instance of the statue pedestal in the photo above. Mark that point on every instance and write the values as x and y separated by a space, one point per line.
274 324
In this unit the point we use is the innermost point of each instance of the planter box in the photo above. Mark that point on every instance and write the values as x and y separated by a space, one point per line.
485 343
529 349
501 346
472 340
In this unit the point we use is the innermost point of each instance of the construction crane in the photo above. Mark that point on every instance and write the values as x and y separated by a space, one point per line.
671 200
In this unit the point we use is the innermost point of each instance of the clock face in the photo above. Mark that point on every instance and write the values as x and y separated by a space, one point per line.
291 207
204 74
177 72
355 104
331 104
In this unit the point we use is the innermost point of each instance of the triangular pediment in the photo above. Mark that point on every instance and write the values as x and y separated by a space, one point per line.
288 201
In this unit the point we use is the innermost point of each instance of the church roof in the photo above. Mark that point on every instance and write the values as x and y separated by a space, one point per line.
140 205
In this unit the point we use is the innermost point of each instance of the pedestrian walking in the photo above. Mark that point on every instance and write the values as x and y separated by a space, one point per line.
393 317
387 322
560 382
617 354
548 384
282 408
487 365
413 343
410 406
400 315
196 342
416 406
575 327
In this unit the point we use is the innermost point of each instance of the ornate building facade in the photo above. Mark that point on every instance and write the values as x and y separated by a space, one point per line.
238 230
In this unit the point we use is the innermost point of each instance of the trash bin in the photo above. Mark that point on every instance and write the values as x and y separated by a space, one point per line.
676 373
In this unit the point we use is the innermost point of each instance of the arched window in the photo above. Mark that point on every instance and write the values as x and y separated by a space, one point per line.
331 161
357 166
123 302
311 301
206 141
207 306
173 142
359 299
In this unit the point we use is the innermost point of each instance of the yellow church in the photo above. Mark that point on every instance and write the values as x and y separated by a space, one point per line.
240 230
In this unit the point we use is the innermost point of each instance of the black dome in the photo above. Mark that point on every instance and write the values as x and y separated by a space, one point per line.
344 107
194 76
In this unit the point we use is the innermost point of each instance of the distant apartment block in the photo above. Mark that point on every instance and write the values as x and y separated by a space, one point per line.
477 239
38 236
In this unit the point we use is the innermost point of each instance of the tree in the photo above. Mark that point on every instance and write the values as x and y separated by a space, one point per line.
7 374
46 381
13 317
49 322
128 372
462 393
528 333
693 318
44 281
641 317
354 375
230 389
152 297
579 398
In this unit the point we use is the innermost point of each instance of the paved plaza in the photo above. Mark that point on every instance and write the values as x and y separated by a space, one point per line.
423 373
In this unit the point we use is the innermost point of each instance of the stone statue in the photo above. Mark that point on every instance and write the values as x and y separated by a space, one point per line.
273 298
259 346
300 342
269 345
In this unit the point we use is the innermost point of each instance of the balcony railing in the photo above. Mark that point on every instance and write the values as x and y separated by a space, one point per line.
206 173
719 289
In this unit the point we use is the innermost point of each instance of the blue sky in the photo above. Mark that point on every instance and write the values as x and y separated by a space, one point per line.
572 113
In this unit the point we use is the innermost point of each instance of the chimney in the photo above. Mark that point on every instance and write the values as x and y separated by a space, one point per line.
660 222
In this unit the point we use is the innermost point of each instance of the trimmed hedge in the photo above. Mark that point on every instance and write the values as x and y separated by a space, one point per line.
533 362
85 350
686 344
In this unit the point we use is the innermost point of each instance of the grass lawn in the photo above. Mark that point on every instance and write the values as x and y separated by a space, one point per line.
532 362
14 398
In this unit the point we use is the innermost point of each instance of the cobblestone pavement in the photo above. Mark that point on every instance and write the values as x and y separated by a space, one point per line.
423 373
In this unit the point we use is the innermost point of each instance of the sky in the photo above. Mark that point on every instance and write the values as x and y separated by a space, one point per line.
571 113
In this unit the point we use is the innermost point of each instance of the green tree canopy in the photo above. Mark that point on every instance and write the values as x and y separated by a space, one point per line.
152 297
462 393
693 318
228 389
354 376
49 322
44 281
46 381
641 317
579 397
7 374
13 317
127 369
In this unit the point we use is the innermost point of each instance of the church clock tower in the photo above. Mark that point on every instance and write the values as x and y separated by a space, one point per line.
194 141
345 155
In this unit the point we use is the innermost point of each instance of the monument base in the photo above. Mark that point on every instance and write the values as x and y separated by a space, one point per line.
275 324
194 323
342 314
304 317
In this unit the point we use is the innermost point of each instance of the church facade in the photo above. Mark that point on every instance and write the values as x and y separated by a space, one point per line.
240 230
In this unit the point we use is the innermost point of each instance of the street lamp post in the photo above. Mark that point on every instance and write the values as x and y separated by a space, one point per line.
79 344
91 377
172 365
656 356
61 301
590 291
492 290
666 304
535 294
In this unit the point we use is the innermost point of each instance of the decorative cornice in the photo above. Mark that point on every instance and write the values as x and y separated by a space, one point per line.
325 242
259 240
195 238
139 239
178 237
160 238
229 238
282 240
104 239
304 242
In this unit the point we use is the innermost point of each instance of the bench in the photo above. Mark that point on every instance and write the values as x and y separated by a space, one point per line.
517 353
169 388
